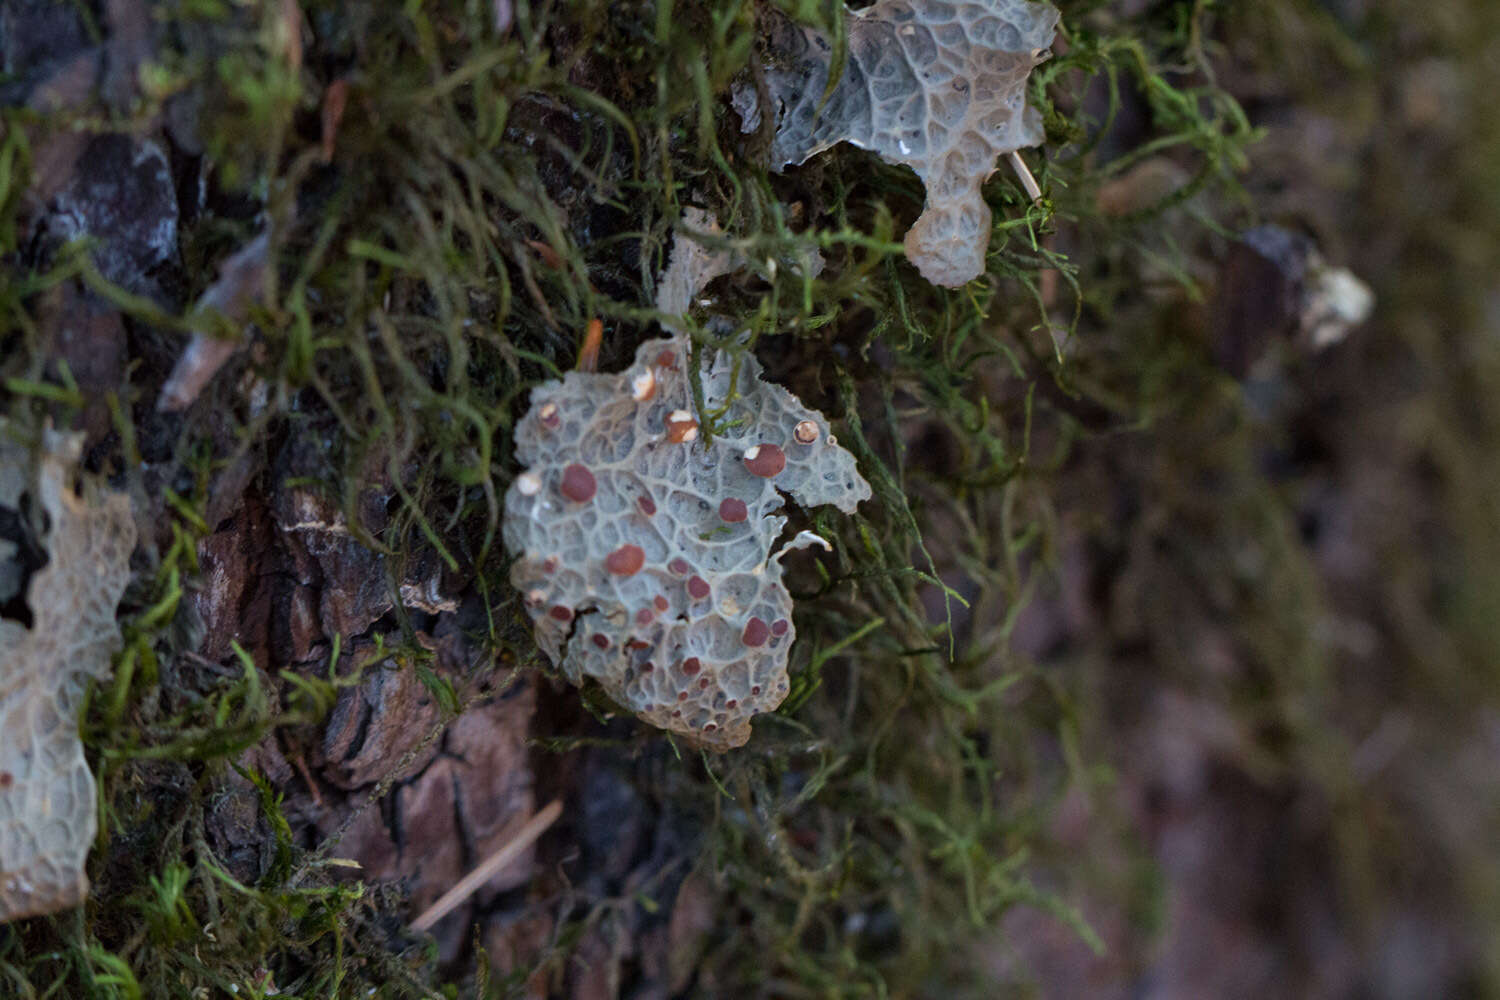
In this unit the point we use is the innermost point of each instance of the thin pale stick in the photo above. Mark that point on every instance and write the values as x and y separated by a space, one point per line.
465 887
1033 189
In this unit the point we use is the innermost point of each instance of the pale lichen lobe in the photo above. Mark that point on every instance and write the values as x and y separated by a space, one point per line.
645 546
47 818
937 86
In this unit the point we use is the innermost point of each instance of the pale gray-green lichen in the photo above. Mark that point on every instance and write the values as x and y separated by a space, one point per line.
938 86
47 818
645 554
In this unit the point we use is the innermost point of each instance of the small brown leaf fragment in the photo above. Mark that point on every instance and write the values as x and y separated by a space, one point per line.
335 98
549 256
593 338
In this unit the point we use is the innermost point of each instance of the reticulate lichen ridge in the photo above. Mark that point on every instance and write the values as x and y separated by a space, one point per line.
645 553
937 86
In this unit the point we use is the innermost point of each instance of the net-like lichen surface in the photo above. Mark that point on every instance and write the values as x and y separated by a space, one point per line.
645 555
937 86
47 819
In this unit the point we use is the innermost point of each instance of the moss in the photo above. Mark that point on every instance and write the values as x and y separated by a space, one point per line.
491 192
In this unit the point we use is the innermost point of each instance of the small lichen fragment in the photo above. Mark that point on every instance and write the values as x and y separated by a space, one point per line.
938 86
47 819
661 585
692 265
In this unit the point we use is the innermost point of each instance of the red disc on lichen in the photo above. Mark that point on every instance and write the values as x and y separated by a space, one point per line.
666 359
647 505
755 689
660 602
765 460
679 566
779 626
732 703
733 510
703 684
644 616
697 588
681 427
601 640
756 632
691 665
561 613
627 560
577 483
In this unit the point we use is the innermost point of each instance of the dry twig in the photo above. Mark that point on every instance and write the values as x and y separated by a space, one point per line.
465 887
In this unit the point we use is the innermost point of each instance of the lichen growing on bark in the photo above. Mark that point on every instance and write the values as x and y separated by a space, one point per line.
937 86
47 819
645 549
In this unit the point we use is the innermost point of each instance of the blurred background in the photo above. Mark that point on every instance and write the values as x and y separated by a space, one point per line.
1285 610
